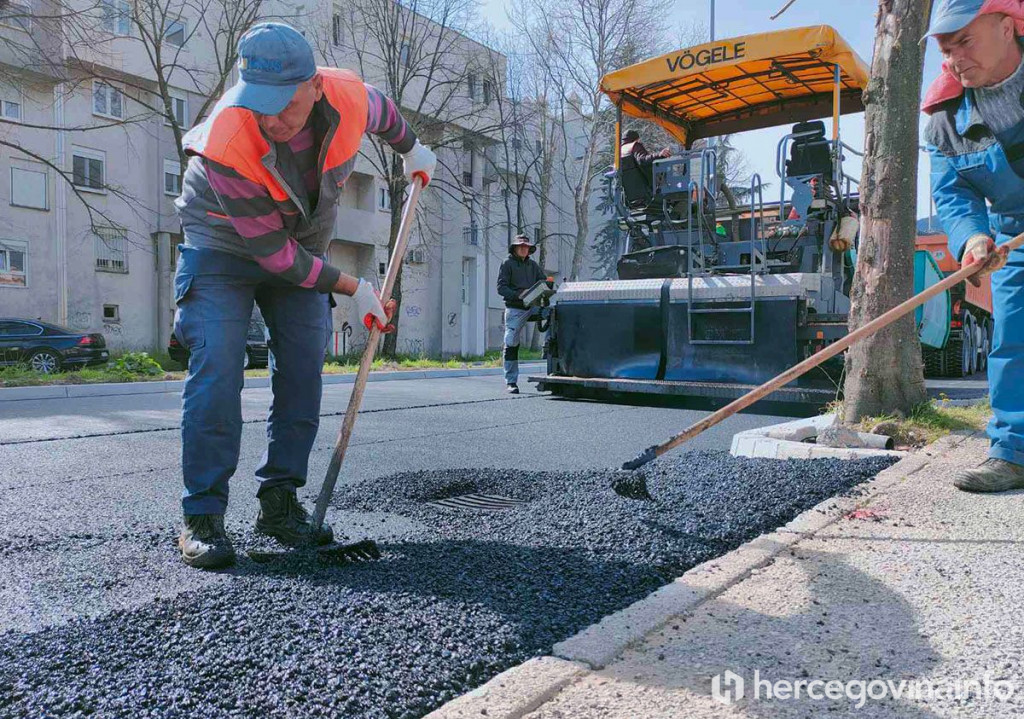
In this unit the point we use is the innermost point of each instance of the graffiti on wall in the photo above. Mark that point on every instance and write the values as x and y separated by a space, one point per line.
80 320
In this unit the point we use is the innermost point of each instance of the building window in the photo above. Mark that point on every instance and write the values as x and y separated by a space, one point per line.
536 236
539 147
88 169
471 235
174 34
107 101
17 15
10 110
179 109
10 105
487 92
28 186
117 16
405 55
471 86
336 30
111 249
13 267
111 313
172 178
468 163
383 199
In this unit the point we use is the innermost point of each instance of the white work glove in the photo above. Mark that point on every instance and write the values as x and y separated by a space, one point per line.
982 249
369 309
420 162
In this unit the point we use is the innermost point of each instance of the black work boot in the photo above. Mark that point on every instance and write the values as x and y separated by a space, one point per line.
204 543
994 475
286 520
512 389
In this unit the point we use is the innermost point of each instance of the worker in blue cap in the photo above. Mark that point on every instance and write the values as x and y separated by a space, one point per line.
258 209
975 138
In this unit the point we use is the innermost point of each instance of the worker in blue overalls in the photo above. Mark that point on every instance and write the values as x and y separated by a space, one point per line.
975 137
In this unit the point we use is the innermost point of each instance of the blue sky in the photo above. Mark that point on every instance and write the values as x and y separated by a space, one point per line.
855 21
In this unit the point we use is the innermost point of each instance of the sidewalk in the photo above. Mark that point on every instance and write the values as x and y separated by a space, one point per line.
100 389
912 580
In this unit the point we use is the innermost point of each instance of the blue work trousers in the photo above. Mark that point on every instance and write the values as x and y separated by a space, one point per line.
1006 361
214 292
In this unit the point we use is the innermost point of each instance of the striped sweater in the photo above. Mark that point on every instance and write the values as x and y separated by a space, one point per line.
222 210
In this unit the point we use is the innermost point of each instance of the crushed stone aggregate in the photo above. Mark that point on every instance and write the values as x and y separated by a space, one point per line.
457 597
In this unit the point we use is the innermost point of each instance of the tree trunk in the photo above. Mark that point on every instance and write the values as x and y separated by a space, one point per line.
884 372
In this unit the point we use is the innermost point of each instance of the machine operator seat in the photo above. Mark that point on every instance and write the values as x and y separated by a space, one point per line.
810 153
636 184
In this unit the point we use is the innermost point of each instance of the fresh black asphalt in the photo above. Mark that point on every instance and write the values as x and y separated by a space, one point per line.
458 596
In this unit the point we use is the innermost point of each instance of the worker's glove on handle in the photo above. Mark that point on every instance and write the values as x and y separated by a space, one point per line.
419 162
370 310
981 249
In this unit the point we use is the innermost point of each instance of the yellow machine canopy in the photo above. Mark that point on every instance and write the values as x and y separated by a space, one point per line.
743 83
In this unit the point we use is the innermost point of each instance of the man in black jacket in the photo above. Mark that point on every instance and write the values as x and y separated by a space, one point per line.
517 274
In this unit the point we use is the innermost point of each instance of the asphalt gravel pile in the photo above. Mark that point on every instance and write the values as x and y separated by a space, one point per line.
456 599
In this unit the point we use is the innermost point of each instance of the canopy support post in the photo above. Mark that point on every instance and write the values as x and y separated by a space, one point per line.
617 150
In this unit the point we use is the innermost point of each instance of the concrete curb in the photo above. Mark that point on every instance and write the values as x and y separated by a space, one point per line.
65 391
539 680
515 692
785 441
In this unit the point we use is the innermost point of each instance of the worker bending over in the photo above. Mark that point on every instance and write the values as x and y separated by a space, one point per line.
517 274
257 208
975 137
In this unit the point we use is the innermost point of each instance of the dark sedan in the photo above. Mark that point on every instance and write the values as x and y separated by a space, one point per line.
255 347
48 348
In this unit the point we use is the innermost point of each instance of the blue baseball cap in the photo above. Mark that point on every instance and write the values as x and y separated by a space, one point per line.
273 60
953 15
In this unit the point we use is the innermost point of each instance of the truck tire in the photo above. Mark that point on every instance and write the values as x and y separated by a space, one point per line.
971 338
933 365
953 356
986 336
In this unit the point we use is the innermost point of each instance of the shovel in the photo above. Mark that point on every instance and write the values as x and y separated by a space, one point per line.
366 549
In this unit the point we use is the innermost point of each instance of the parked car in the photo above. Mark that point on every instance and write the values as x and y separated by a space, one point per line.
255 346
48 348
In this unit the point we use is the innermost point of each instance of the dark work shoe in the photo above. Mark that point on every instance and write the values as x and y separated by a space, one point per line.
512 389
204 543
994 475
286 520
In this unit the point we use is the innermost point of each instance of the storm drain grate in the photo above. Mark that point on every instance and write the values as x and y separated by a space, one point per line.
478 502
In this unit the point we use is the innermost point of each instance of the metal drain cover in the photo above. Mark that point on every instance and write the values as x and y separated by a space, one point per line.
478 502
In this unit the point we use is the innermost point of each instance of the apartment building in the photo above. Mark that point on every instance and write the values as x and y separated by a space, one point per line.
88 232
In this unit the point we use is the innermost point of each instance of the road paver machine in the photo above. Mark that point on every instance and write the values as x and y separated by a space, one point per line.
710 300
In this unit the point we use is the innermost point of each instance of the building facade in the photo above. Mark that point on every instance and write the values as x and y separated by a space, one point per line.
88 232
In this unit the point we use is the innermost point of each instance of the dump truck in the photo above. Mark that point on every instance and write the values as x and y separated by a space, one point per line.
955 330
695 311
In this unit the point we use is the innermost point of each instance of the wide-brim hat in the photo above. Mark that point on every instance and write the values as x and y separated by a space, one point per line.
521 240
